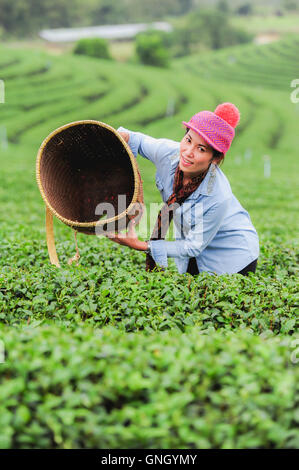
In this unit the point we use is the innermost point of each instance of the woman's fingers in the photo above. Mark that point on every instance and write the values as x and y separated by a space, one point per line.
121 235
116 236
125 136
110 235
131 230
124 238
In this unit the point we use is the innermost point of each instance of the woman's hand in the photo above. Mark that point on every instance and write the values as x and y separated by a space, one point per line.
129 238
125 136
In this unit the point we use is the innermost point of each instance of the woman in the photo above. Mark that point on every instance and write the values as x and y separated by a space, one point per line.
213 232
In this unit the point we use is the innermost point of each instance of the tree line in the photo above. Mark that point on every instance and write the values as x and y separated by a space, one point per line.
24 18
200 30
27 17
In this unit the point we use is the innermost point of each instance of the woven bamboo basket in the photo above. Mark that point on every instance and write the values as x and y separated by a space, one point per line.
81 165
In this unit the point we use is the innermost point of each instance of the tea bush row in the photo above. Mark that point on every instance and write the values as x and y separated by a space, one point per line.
246 64
31 289
108 390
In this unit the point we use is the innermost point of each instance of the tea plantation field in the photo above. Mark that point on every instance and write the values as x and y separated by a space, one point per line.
106 355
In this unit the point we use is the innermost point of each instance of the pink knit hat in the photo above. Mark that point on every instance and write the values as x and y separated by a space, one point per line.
218 128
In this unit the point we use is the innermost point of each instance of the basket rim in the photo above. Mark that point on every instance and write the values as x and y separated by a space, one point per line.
73 223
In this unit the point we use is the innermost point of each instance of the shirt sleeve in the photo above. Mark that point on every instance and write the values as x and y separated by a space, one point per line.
197 239
150 148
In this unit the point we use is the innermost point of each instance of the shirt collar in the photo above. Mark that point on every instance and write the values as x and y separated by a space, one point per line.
206 186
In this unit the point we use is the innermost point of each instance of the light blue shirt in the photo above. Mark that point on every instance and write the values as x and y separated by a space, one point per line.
211 225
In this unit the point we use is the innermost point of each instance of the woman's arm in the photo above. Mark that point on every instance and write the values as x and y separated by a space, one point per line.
155 150
129 238
198 238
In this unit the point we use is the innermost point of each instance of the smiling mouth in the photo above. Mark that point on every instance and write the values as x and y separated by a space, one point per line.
186 162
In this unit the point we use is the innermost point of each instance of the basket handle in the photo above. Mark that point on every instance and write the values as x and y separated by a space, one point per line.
51 238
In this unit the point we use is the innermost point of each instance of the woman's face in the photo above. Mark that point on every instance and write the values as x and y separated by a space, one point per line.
195 154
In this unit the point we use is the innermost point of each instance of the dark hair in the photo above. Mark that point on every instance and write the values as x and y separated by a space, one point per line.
216 153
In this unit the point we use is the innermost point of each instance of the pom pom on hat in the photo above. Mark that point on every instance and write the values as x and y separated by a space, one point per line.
229 113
